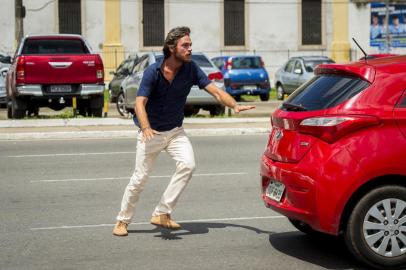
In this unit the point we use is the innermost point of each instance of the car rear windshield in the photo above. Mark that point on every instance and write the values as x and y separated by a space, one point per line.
246 62
324 92
54 46
311 64
201 60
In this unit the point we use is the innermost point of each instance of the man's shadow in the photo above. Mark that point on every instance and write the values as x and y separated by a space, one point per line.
194 228
327 251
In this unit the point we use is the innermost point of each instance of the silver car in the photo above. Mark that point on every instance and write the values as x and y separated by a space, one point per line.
295 72
4 66
197 98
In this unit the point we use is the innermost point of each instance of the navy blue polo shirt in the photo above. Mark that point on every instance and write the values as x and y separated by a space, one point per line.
166 101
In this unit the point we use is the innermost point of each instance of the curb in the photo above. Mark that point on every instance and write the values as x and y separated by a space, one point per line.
125 134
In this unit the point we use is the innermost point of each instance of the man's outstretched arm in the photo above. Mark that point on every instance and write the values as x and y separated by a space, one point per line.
224 98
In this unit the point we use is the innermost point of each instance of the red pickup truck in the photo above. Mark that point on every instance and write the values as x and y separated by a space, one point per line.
49 70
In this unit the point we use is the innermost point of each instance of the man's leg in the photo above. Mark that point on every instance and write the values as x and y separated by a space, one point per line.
145 158
180 149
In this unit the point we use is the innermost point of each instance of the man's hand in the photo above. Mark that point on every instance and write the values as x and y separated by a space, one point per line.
239 108
148 133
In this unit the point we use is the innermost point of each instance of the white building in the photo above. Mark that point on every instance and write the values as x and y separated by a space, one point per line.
274 29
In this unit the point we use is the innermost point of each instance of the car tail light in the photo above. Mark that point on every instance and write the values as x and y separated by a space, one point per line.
99 69
216 76
331 128
229 64
234 86
20 70
262 64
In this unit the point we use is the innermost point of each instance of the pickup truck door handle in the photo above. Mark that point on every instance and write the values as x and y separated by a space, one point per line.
60 64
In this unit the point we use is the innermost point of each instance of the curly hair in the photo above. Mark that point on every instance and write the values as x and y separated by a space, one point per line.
172 38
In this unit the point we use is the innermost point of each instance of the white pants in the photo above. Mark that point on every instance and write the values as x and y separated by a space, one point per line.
177 144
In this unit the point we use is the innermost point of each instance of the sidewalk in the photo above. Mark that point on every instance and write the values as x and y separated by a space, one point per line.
123 128
249 122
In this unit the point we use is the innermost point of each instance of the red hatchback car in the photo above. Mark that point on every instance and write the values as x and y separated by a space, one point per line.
336 158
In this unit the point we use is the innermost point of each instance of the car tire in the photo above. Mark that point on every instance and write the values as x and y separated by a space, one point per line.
264 97
121 105
96 106
18 108
376 228
191 111
237 98
217 110
280 92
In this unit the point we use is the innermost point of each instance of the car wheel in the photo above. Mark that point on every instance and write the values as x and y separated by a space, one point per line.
280 93
217 110
121 105
264 97
18 108
376 228
237 98
191 111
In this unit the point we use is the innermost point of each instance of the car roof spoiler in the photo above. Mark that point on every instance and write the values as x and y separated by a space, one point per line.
361 70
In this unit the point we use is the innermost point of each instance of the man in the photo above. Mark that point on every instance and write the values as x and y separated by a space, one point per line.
396 28
376 28
159 108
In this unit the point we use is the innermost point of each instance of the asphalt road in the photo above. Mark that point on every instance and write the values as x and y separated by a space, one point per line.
59 199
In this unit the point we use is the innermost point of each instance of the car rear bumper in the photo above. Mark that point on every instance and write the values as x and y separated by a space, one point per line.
238 92
38 90
299 198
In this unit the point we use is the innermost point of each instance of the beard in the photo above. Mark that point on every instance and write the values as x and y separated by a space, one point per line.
181 58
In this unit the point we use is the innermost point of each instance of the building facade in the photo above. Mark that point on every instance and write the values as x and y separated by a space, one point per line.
274 29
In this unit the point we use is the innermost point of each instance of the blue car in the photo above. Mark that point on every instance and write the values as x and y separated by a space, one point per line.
244 75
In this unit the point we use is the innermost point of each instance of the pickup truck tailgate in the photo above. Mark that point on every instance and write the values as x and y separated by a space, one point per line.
60 69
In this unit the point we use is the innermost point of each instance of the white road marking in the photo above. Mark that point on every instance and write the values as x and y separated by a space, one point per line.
72 154
147 223
128 177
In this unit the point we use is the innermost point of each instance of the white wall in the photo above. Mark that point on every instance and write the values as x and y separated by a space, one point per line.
203 18
7 27
130 30
93 23
41 17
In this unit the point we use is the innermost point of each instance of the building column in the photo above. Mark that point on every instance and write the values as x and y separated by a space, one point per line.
340 45
113 50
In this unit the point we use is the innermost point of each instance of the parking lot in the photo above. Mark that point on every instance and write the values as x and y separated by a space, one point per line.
59 199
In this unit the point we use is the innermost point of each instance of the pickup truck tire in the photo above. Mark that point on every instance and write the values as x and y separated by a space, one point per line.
17 108
191 111
96 106
217 110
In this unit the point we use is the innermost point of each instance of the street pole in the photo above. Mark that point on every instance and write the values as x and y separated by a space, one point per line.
19 15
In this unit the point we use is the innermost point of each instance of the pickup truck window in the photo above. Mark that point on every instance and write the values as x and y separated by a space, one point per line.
54 46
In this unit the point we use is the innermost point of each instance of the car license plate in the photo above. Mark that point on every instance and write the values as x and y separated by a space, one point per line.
249 87
275 190
62 88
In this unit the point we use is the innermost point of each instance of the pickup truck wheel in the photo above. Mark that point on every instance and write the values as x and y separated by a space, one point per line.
264 97
96 106
217 110
280 93
376 229
9 111
18 108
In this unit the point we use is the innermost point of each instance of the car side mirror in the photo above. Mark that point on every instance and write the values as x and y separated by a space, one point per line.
298 71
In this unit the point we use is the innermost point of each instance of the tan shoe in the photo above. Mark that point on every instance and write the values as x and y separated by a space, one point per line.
120 229
165 221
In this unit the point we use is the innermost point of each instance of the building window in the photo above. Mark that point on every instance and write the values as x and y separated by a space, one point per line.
311 22
70 21
153 23
234 23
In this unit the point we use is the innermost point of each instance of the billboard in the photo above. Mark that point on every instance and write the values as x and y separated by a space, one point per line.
394 31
